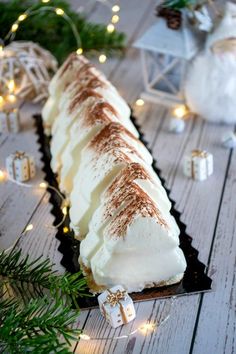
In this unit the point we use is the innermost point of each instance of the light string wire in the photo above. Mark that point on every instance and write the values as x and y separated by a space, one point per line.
60 12
32 11
143 328
42 185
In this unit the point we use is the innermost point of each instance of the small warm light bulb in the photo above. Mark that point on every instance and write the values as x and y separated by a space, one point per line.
64 210
14 27
115 19
11 85
45 1
147 327
22 17
65 229
1 101
116 8
2 176
84 336
29 227
43 185
139 102
102 58
11 98
110 28
59 11
180 111
79 51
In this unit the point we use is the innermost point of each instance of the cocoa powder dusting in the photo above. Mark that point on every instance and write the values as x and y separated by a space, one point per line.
83 71
123 187
98 112
89 81
129 174
80 98
70 61
141 205
110 137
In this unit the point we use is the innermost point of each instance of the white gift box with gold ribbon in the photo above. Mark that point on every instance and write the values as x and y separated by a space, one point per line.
116 306
198 165
20 166
9 121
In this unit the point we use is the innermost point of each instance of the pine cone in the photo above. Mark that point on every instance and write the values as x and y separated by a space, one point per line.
173 17
174 22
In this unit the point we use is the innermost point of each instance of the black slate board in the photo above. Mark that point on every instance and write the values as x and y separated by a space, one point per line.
194 281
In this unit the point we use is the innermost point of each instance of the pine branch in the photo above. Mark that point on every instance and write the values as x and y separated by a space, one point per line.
54 34
33 277
179 4
36 327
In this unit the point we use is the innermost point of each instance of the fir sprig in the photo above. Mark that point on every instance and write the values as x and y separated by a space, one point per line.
39 327
179 4
40 323
33 277
54 34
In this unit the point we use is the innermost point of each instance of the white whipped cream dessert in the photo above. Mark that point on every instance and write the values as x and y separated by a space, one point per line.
139 248
118 206
116 197
63 77
95 115
67 73
75 111
107 153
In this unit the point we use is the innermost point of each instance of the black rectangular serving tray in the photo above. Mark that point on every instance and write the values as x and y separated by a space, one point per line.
195 279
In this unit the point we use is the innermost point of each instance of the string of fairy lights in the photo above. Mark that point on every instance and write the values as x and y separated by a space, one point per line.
10 97
146 328
42 185
115 18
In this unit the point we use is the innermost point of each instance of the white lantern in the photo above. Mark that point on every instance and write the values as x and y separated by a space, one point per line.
164 54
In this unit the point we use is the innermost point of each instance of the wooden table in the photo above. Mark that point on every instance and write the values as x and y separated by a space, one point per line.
201 323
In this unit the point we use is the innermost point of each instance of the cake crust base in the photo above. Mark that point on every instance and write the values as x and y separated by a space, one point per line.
98 288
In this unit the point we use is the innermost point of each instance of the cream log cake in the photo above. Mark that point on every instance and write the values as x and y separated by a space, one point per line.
118 207
96 114
74 75
105 155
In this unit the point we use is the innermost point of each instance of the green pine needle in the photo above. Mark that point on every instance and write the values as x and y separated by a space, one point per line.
31 278
53 32
35 305
179 4
37 327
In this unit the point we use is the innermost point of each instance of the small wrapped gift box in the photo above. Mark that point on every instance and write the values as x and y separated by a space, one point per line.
176 125
229 140
9 121
20 166
198 165
116 306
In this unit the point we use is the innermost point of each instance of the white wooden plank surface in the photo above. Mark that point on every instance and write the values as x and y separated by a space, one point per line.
207 328
218 308
17 203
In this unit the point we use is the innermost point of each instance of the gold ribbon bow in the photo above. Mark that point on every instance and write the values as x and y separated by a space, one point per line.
197 153
113 299
19 155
